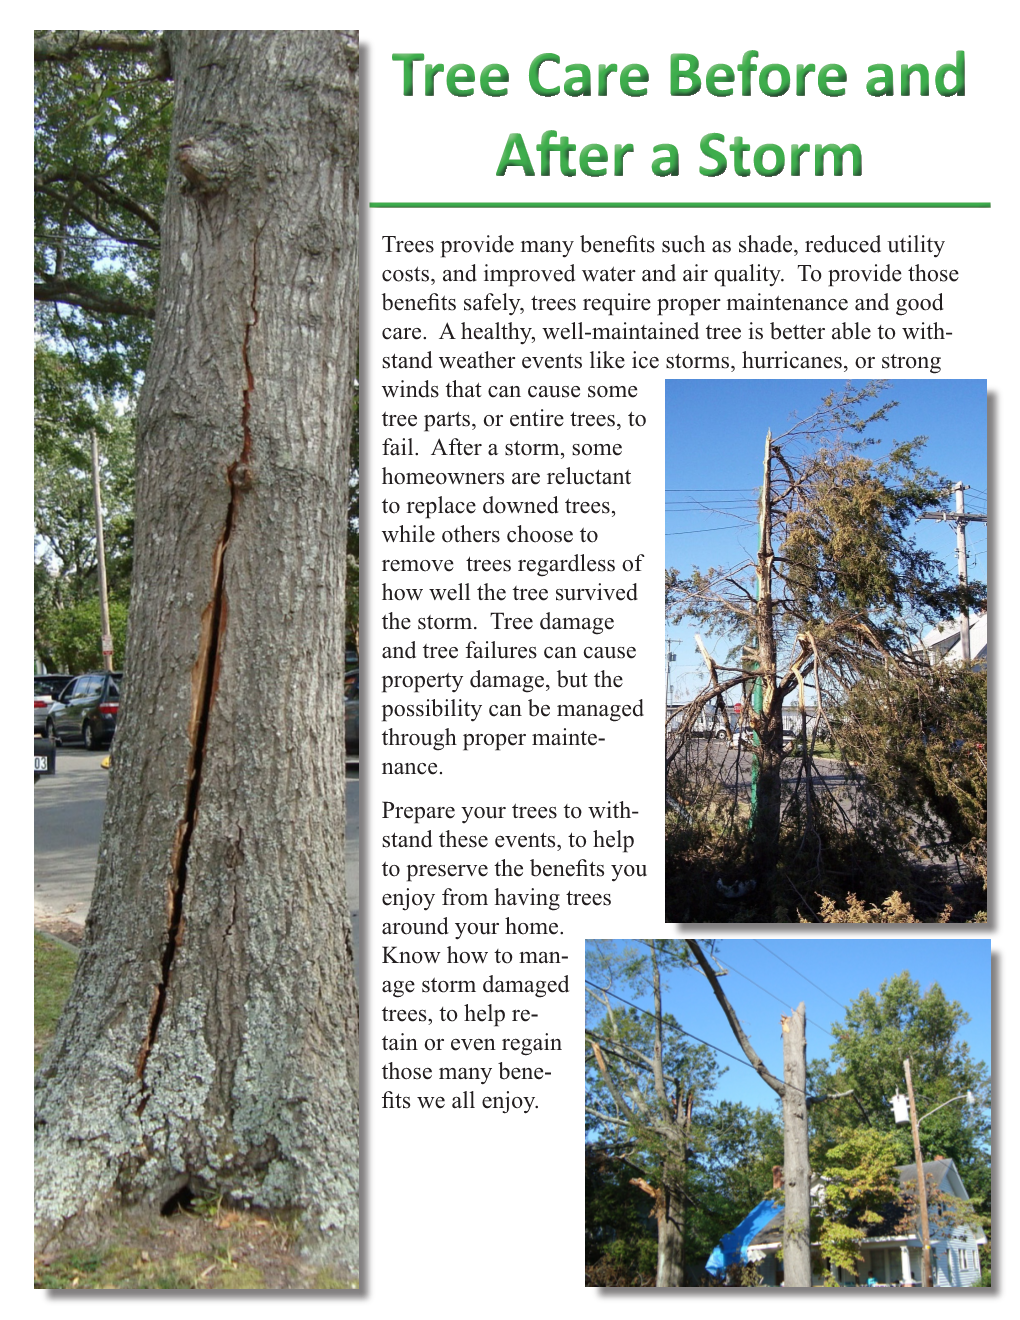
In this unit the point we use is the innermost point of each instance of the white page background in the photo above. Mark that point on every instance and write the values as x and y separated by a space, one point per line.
484 1214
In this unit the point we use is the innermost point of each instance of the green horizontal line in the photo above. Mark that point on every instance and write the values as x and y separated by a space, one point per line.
824 206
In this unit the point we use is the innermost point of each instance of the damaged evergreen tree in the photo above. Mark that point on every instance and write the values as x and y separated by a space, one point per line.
835 594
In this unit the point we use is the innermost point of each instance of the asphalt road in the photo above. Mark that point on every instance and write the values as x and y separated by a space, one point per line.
68 820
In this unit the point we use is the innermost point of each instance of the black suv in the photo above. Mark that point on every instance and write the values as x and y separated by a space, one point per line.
87 709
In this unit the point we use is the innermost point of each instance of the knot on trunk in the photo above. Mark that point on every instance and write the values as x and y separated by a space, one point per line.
208 164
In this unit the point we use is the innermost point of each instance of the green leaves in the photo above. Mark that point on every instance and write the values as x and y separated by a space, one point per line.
860 1186
881 1030
920 736
102 144
67 412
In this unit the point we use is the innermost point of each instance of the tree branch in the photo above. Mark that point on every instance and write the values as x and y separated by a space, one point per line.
731 1017
605 1118
635 1081
639 1060
90 300
839 1095
103 190
66 46
614 1090
94 221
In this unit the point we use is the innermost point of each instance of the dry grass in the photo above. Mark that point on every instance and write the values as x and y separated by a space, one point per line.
207 1246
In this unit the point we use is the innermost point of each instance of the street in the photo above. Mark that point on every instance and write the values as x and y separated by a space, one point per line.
68 821
733 770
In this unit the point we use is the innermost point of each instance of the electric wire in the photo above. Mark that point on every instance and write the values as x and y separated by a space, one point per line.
718 1048
731 968
809 981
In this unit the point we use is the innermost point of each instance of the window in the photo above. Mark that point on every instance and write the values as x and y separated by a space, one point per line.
964 1265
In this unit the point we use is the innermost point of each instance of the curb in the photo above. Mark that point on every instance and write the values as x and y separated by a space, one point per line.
55 939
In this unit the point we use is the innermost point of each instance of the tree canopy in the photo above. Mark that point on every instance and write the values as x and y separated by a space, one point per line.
902 1021
102 131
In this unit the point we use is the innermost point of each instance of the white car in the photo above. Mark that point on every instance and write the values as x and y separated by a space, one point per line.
48 688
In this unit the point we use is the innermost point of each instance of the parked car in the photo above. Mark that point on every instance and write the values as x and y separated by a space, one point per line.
87 710
48 688
351 713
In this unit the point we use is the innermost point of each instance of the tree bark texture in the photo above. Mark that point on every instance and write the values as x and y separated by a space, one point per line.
796 1161
670 1272
211 1037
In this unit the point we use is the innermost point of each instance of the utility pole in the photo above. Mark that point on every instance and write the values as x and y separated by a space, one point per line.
104 604
961 519
922 1190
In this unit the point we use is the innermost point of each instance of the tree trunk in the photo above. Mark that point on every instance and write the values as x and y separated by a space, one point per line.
796 1163
670 1273
768 796
211 1037
767 704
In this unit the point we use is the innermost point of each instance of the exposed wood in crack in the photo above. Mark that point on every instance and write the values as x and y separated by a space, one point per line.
205 680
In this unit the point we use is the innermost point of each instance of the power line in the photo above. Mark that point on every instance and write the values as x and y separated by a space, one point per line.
694 531
718 1049
784 1002
809 981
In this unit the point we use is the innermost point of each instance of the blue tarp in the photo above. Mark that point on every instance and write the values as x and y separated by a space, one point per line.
732 1250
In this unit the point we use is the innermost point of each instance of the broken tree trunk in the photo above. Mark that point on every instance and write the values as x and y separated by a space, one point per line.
796 1166
793 1093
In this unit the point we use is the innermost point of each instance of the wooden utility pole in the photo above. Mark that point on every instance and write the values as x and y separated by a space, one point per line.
961 519
793 1093
922 1190
104 604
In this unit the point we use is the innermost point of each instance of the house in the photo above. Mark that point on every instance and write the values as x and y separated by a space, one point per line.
943 642
891 1257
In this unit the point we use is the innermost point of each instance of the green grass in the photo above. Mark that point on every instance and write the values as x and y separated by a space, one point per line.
54 971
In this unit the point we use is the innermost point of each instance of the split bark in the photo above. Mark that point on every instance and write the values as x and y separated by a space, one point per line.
211 1037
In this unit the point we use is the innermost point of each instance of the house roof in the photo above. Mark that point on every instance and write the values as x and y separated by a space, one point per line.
944 640
936 1173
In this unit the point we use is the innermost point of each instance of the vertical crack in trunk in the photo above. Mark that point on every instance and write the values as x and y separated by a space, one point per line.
205 679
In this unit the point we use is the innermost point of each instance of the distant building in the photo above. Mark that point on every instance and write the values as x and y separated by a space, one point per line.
943 641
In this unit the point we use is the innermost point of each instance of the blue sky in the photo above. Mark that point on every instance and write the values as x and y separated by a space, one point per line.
715 435
840 968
